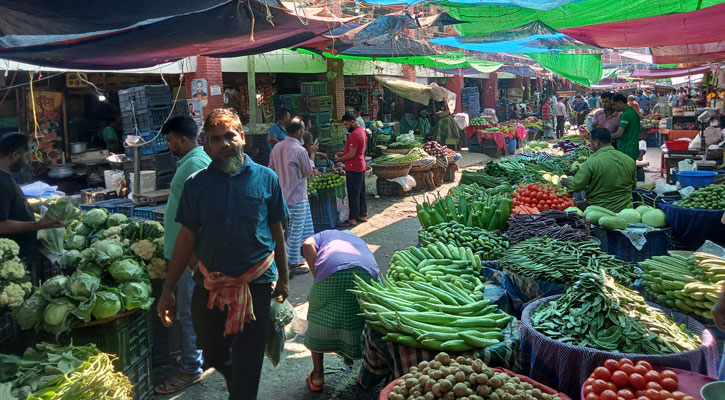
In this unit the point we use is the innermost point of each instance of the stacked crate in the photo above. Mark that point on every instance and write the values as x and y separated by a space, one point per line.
470 100
317 108
257 147
144 109
163 163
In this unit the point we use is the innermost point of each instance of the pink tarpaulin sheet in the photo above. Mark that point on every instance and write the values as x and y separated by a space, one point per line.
692 53
668 73
696 27
496 136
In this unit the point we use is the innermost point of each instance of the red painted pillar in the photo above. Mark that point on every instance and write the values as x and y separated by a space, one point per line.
490 90
210 69
409 72
455 84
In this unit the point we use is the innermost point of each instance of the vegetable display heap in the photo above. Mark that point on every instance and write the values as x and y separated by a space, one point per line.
112 259
691 284
562 225
599 313
609 220
485 244
51 372
625 380
14 281
560 261
541 197
435 149
711 197
462 378
469 205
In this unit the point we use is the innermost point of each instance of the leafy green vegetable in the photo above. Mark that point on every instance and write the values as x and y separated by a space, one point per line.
95 217
54 286
136 295
126 269
107 251
57 315
107 305
116 220
83 285
30 313
75 242
83 229
151 230
70 259
63 210
51 239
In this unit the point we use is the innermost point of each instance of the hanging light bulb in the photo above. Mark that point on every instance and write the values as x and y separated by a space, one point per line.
101 97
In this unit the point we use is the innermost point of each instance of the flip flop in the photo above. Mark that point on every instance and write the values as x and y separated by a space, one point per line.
347 224
312 386
363 219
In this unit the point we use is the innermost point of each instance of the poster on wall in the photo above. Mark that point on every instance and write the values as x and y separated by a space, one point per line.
196 111
200 90
45 124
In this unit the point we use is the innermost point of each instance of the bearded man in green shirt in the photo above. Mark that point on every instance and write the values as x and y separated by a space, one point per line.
626 139
608 175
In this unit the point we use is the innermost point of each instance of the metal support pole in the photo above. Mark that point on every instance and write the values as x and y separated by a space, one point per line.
252 85
136 172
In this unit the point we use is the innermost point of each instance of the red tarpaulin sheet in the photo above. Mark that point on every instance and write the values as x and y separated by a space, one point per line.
693 53
668 73
696 27
496 136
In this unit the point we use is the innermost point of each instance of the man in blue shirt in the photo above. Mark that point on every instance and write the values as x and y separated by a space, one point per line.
278 131
644 103
581 107
231 215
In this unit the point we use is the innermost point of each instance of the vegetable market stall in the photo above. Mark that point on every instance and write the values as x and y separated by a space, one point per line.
696 218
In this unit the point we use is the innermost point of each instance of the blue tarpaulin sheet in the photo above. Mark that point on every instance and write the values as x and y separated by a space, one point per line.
533 4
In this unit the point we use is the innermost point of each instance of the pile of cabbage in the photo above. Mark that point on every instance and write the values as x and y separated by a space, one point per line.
108 257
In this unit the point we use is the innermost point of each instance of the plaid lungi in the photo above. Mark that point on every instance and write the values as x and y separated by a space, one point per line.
334 325
301 228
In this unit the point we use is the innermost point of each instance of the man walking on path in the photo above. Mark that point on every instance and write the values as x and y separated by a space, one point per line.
354 158
181 133
293 165
560 113
231 217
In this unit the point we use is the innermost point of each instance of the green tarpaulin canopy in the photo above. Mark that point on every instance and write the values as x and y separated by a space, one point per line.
487 19
585 69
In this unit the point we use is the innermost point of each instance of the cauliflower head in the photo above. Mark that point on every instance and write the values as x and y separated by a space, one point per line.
8 249
112 231
12 269
144 249
156 268
12 295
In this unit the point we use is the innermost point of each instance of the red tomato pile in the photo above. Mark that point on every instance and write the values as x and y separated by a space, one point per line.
543 197
623 380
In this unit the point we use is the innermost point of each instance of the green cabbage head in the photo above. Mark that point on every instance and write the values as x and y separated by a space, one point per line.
116 220
30 313
54 286
107 305
107 251
95 217
126 269
75 242
83 285
58 311
70 259
83 229
136 295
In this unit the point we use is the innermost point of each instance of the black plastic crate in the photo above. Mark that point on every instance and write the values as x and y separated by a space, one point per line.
43 270
388 189
140 376
324 213
319 104
618 245
128 337
167 341
313 88
141 97
180 107
8 327
149 119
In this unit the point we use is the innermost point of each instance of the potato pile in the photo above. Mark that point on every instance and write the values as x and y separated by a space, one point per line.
462 378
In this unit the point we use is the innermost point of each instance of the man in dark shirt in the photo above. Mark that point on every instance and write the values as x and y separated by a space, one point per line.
16 219
231 217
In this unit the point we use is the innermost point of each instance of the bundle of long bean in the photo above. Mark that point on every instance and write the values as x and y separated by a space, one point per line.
551 223
560 261
599 313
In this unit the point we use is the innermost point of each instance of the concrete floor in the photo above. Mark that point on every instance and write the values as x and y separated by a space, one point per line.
392 225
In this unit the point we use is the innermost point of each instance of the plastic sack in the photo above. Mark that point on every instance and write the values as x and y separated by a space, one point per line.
280 314
406 137
407 182
712 248
343 209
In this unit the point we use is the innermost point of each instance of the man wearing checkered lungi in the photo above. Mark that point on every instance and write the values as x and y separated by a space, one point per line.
294 164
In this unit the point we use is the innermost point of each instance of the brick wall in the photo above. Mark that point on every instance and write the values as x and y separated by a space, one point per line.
336 87
409 72
210 69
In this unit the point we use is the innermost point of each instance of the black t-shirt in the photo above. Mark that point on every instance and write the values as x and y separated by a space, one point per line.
14 206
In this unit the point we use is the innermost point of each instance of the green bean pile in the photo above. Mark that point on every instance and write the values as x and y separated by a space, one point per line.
597 312
560 261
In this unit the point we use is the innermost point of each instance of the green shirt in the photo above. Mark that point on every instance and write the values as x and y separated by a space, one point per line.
608 177
110 137
628 143
194 161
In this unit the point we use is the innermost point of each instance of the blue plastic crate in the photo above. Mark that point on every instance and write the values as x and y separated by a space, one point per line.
157 145
113 206
653 140
126 209
148 119
141 97
324 213
147 212
618 245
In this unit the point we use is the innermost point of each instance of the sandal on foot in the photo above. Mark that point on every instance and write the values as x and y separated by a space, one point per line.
180 381
363 219
312 386
349 223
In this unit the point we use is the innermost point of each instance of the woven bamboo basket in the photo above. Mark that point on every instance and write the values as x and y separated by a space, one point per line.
391 171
